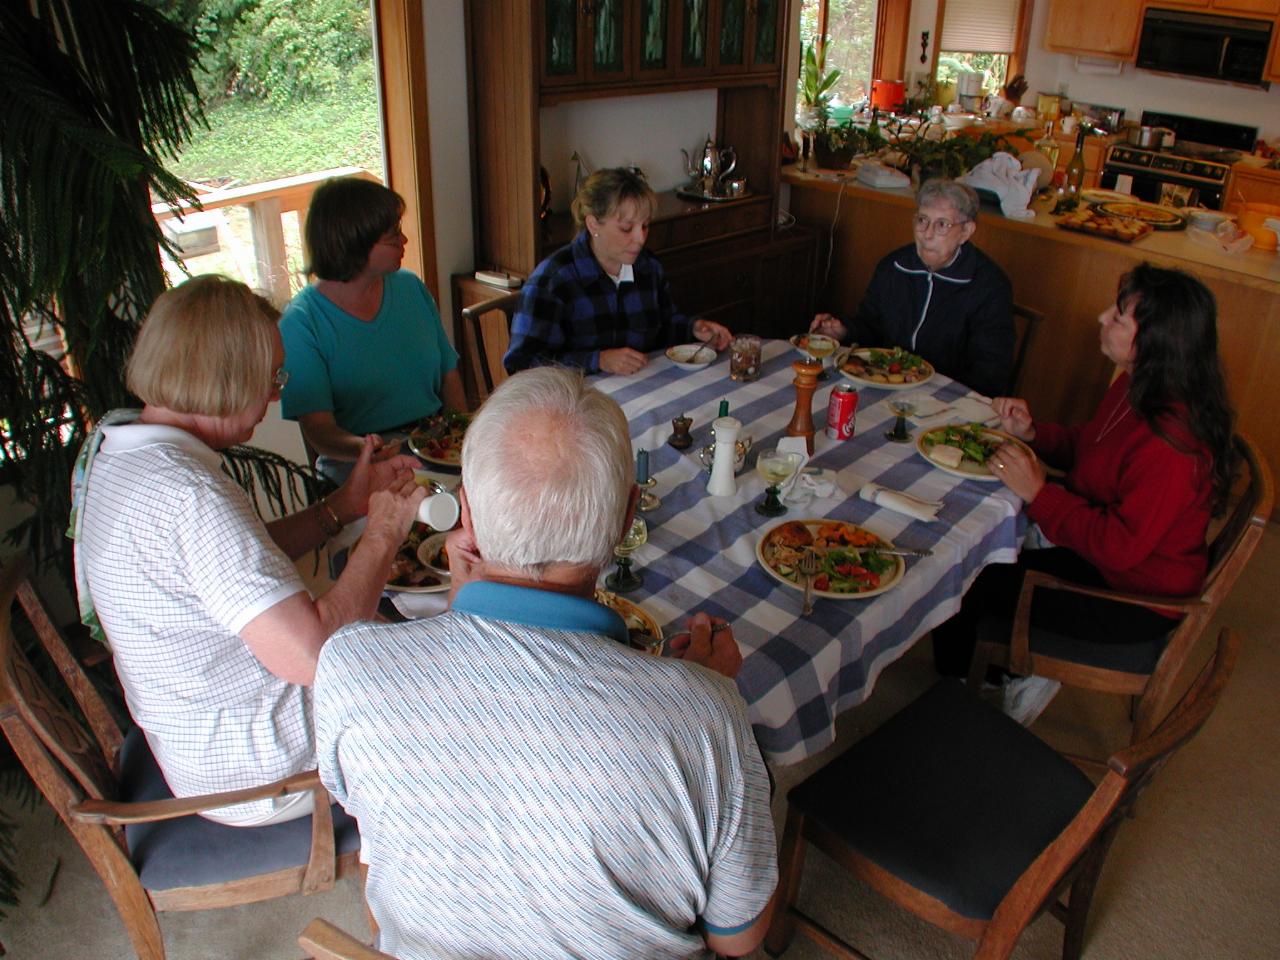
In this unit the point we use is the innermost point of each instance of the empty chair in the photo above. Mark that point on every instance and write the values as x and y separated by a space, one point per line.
151 850
1147 671
968 820
1025 321
489 347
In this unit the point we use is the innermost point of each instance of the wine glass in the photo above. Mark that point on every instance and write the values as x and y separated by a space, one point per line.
903 408
775 468
624 578
819 347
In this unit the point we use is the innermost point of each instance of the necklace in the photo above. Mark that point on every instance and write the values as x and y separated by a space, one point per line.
1117 415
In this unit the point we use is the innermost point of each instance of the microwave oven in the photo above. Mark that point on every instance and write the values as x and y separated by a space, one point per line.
1204 45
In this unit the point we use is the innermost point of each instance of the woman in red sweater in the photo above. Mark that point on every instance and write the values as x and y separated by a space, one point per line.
1143 478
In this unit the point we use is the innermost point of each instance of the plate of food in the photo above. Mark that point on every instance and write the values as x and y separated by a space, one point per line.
409 574
643 630
1101 225
963 449
888 368
438 438
849 565
691 356
1154 215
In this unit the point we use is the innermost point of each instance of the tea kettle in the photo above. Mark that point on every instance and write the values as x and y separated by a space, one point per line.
707 170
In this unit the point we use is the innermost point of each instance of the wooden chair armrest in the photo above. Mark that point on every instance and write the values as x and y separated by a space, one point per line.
322 940
112 812
1020 640
1036 578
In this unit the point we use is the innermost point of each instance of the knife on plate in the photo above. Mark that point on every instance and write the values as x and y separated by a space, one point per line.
903 551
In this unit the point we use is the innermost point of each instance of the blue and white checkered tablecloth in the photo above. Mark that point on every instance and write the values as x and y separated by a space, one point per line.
798 674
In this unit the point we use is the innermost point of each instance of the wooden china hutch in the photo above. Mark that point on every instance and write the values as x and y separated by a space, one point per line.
725 260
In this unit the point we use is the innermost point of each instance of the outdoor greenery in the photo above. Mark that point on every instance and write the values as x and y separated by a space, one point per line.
851 27
992 66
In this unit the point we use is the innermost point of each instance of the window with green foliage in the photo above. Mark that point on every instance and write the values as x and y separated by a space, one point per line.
981 36
850 28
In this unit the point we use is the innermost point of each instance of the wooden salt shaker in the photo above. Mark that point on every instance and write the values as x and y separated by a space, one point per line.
806 382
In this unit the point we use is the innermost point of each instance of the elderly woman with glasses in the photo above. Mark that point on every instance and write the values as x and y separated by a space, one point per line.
367 353
214 634
940 297
602 302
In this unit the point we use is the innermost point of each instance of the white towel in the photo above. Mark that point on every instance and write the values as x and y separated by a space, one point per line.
925 510
1003 175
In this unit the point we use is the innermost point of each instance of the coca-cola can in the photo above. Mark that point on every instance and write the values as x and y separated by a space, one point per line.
840 411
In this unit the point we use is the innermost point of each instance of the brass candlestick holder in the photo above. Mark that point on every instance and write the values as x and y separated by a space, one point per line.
648 499
806 382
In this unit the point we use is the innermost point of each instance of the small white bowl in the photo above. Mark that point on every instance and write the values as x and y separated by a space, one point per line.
427 552
691 356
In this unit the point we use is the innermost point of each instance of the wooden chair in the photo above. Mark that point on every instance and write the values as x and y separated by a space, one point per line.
488 349
968 820
151 850
1146 671
1025 321
323 941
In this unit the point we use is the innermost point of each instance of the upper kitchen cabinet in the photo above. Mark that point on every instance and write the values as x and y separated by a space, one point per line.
748 36
591 48
1097 28
584 42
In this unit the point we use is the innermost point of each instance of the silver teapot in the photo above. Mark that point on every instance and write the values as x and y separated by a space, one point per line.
708 169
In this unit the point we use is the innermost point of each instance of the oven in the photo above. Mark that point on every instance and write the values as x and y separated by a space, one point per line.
1164 177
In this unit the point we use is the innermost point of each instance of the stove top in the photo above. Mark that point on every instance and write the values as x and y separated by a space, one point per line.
1176 163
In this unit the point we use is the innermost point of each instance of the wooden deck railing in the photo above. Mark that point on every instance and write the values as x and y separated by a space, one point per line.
267 202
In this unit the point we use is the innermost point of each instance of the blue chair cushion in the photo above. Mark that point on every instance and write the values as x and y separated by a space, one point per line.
195 852
949 795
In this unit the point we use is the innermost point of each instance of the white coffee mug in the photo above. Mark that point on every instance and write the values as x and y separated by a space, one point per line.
439 511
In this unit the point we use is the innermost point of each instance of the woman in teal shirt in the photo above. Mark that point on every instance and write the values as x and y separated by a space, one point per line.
364 347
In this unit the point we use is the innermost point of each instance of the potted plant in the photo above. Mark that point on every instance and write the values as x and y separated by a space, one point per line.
816 82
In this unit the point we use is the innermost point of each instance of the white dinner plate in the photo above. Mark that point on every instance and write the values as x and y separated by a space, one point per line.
968 469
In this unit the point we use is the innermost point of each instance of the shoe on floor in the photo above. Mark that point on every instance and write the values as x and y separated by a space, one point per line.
1026 697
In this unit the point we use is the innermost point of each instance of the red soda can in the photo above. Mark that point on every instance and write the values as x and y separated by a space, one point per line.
840 411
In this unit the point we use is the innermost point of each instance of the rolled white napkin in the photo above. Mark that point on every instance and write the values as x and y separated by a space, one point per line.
925 510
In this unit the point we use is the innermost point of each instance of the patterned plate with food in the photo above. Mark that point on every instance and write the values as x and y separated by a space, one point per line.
962 449
849 565
408 573
438 438
887 368
644 631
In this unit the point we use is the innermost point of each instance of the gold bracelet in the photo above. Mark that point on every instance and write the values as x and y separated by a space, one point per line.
330 525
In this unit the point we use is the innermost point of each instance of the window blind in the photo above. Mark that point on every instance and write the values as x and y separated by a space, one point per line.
980 26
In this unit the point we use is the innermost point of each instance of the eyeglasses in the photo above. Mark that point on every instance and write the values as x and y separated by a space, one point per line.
279 379
940 227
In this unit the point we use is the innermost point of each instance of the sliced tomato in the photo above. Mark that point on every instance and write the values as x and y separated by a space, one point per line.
895 368
821 582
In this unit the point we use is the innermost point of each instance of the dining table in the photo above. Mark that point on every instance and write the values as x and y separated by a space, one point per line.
799 673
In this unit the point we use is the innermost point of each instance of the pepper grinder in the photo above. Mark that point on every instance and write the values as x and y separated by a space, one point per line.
806 382
680 438
722 483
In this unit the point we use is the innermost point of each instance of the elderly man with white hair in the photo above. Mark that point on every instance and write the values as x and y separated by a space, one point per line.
527 785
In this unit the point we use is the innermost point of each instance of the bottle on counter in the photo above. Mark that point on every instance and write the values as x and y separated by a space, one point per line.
1048 146
1075 166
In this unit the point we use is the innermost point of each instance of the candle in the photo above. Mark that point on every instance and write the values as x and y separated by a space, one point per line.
642 466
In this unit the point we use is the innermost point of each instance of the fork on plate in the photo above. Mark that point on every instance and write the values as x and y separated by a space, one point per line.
808 567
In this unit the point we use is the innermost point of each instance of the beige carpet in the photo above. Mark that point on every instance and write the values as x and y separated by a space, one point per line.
1195 874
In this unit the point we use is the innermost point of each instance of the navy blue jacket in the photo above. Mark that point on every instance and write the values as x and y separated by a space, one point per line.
959 318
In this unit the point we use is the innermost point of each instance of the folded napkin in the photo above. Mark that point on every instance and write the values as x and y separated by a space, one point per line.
926 510
416 606
971 408
798 445
975 408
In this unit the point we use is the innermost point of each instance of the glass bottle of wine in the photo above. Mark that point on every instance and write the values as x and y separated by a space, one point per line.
1075 166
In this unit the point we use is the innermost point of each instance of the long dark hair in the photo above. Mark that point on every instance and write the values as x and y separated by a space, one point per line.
1176 347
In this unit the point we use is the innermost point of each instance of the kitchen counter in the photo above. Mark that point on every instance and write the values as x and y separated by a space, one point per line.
1070 278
